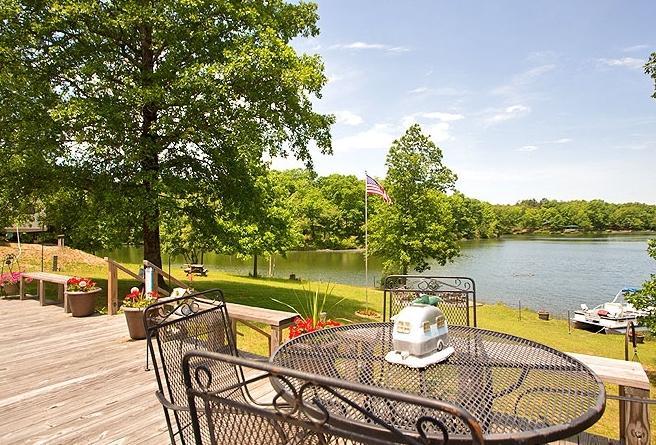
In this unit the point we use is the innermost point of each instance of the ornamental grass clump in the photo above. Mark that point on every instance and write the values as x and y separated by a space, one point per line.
310 310
79 284
138 299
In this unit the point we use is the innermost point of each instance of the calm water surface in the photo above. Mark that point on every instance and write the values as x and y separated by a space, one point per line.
555 273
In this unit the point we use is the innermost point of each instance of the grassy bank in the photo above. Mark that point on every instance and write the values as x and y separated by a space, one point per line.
262 292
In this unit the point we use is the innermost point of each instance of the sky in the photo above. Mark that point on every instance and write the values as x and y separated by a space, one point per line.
526 99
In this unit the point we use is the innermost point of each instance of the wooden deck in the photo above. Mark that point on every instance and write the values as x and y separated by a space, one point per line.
66 380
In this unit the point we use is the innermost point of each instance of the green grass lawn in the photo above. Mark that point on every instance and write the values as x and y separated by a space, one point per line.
262 292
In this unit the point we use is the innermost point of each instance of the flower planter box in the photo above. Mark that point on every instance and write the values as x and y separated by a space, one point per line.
10 289
82 304
135 320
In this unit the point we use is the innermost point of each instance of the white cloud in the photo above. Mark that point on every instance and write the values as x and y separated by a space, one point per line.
445 117
443 91
527 148
438 131
522 80
624 62
332 78
560 141
508 113
347 117
419 90
436 124
309 44
370 46
537 71
634 48
542 57
379 136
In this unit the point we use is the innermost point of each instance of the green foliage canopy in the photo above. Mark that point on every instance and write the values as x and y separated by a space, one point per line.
646 298
650 69
419 225
153 107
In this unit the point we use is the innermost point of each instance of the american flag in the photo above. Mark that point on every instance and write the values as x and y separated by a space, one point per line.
374 188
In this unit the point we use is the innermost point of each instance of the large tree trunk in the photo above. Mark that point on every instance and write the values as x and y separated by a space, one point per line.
149 155
152 251
255 265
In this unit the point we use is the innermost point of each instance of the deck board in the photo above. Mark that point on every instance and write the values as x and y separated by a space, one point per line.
66 380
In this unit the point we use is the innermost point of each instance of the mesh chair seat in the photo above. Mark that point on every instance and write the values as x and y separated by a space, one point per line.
312 409
175 326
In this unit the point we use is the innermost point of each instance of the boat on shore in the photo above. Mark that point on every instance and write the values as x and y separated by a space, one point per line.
613 316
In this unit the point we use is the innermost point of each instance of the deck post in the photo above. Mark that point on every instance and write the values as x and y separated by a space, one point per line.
233 327
112 287
275 340
42 292
634 417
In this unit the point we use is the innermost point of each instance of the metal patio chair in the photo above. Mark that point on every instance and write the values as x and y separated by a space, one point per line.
174 326
311 409
458 295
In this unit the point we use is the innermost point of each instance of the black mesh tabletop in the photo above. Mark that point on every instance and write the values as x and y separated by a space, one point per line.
519 390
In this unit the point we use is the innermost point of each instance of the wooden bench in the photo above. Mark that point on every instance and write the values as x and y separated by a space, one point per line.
45 277
633 382
248 315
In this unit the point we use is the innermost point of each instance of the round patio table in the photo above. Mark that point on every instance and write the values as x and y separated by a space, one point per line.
520 391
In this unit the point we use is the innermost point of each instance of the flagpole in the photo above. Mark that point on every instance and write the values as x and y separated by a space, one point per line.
366 242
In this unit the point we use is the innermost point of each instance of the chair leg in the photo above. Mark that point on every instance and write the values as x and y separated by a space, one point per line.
147 358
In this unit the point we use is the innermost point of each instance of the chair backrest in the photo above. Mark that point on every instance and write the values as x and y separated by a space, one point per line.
198 321
458 295
313 409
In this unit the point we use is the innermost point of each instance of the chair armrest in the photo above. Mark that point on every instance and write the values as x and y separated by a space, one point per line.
168 405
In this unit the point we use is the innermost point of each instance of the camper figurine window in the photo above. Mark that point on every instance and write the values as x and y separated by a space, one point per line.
420 334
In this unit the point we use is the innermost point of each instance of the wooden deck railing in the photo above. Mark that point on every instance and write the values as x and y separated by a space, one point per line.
160 271
112 283
633 384
277 321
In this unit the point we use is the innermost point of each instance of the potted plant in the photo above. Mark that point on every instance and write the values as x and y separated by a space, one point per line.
311 316
9 282
81 294
134 305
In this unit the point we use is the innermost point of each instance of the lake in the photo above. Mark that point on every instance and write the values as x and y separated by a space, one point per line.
556 273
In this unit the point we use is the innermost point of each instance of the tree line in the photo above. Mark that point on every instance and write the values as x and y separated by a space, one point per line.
328 212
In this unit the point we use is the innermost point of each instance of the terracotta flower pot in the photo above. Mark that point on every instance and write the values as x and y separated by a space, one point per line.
134 318
82 304
10 289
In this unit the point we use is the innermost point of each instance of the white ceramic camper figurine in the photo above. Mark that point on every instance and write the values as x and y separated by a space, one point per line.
420 337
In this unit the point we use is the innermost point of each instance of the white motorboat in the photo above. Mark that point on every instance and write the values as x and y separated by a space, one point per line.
613 316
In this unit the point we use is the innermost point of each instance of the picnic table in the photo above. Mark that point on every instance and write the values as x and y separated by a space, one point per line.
45 277
196 269
520 391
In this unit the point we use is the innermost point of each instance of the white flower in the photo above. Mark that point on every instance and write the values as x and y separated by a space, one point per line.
134 289
82 283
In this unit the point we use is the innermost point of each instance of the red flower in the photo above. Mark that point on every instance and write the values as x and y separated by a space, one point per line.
303 326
